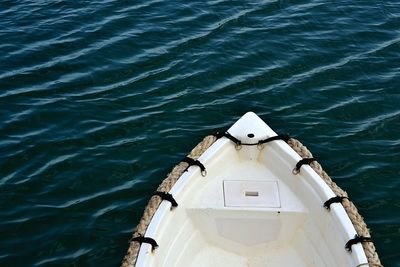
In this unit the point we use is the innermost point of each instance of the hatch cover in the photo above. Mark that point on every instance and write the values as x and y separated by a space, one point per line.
251 194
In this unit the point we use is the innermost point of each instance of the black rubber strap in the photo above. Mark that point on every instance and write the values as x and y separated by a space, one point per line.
229 136
307 161
284 137
148 240
329 202
357 239
168 197
220 133
192 162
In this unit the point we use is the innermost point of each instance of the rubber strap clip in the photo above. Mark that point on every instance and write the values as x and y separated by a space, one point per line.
141 239
168 197
307 161
357 239
337 199
259 144
192 162
284 137
238 143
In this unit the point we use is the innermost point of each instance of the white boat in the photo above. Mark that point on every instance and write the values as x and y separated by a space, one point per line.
250 206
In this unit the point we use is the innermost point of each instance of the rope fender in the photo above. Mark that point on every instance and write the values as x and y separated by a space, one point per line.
153 204
357 220
351 210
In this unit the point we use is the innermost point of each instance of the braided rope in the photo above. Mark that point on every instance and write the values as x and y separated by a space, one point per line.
166 185
155 201
352 212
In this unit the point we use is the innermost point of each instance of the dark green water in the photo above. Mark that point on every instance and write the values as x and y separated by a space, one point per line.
100 99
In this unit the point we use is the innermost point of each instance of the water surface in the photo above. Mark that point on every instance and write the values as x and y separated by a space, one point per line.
100 99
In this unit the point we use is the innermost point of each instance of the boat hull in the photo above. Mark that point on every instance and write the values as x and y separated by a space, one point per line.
250 209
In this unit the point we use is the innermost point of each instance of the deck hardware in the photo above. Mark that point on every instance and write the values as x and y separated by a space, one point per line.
283 137
141 239
251 194
357 239
337 199
192 162
168 197
307 161
259 144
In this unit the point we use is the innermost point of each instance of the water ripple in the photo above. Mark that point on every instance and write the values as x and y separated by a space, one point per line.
63 258
100 99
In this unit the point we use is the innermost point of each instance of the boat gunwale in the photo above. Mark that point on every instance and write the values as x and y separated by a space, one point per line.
307 174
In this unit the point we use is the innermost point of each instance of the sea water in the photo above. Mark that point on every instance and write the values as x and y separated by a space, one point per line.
100 99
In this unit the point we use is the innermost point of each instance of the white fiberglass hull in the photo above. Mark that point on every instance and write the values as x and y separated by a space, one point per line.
250 210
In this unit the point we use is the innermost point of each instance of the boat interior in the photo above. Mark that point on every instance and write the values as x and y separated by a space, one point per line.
251 210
